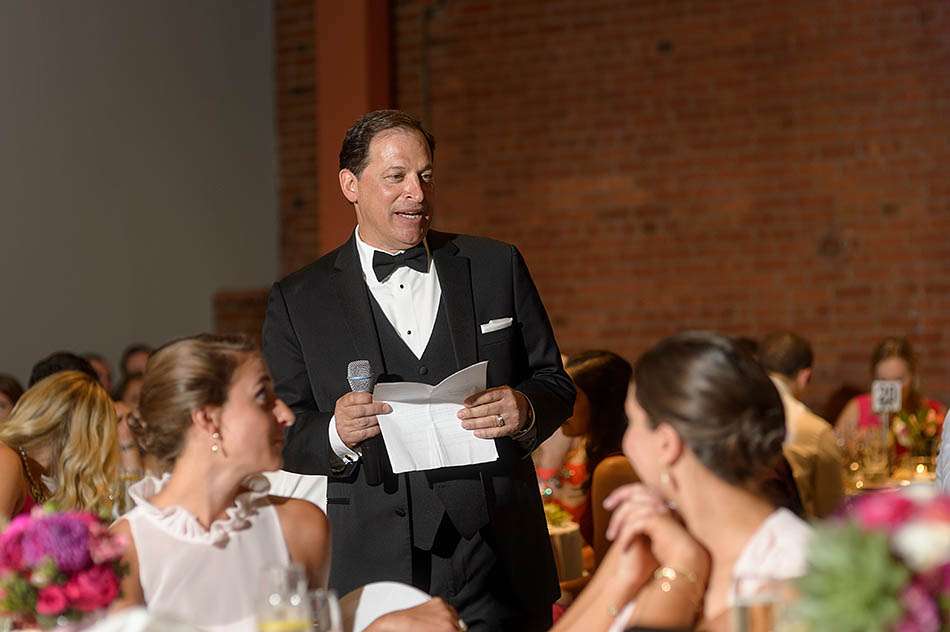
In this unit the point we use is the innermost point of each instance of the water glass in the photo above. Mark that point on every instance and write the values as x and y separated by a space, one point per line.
763 605
325 611
282 604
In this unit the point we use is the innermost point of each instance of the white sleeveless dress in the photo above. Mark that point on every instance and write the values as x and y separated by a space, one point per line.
206 578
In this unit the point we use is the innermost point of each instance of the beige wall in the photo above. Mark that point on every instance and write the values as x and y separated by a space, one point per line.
137 169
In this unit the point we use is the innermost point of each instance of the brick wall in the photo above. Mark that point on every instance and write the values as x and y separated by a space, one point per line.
296 131
739 166
240 312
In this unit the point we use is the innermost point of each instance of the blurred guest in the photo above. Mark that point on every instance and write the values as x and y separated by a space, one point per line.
601 378
60 361
134 359
59 445
556 461
810 443
10 392
102 369
560 464
893 359
129 390
706 426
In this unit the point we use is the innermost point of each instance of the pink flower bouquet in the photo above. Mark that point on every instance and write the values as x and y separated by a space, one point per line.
58 567
883 566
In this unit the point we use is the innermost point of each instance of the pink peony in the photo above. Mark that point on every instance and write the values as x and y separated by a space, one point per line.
51 601
883 510
106 547
11 543
937 510
921 613
93 589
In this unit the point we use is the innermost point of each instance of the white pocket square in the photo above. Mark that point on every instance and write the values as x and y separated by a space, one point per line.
496 324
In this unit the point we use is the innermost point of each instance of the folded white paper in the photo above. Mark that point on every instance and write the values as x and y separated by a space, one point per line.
496 324
423 432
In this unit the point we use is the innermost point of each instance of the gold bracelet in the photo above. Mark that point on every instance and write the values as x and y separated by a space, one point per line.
666 575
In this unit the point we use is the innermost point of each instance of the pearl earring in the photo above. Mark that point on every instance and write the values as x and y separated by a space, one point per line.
215 448
665 477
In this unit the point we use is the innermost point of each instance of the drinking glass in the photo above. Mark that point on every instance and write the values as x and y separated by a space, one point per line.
282 604
762 604
325 610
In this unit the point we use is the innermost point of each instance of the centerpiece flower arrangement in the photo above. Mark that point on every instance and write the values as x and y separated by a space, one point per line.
56 568
884 566
918 432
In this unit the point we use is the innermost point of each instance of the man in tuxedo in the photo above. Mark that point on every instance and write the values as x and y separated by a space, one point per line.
421 305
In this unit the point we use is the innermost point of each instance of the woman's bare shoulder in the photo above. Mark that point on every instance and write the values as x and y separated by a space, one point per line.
299 514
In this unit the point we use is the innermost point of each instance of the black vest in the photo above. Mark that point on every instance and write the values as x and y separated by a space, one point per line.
456 491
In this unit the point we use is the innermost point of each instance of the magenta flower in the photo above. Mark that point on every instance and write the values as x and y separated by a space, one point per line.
921 613
883 510
937 510
61 538
11 543
93 589
107 548
51 601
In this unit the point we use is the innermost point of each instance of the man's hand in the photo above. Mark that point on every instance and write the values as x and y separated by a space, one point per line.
497 412
433 616
356 417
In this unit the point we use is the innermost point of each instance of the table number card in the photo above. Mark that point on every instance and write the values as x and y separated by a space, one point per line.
886 396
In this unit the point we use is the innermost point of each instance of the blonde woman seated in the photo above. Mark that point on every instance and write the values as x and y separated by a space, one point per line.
201 536
706 426
59 445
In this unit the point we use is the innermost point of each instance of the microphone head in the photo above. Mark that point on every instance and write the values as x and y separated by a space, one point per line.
359 374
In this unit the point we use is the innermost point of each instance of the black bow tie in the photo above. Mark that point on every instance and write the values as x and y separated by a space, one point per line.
416 258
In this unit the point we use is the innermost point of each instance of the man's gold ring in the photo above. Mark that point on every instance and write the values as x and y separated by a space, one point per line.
501 420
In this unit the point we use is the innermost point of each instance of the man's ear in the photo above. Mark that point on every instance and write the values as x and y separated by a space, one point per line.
803 379
350 185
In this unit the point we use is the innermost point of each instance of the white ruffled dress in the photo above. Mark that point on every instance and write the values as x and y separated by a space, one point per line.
205 577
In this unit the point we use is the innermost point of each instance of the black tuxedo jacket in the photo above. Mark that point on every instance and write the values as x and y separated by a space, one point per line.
319 319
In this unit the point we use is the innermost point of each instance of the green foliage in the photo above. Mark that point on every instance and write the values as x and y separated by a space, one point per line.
853 582
18 594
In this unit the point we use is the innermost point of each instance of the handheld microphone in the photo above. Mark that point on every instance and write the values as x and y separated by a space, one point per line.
359 374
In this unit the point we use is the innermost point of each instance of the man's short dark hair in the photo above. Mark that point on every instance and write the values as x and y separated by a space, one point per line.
61 361
786 353
354 153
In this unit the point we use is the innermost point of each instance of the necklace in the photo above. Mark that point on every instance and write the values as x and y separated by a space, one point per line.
39 496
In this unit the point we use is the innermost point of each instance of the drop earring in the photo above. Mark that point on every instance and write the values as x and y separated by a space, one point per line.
215 448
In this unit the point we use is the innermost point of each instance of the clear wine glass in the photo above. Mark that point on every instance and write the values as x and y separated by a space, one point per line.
282 603
325 611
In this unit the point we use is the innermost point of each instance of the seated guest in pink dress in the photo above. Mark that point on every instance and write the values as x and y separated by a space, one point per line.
893 359
59 445
706 427
202 535
601 378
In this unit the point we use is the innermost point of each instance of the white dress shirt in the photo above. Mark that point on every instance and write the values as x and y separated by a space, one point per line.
410 301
